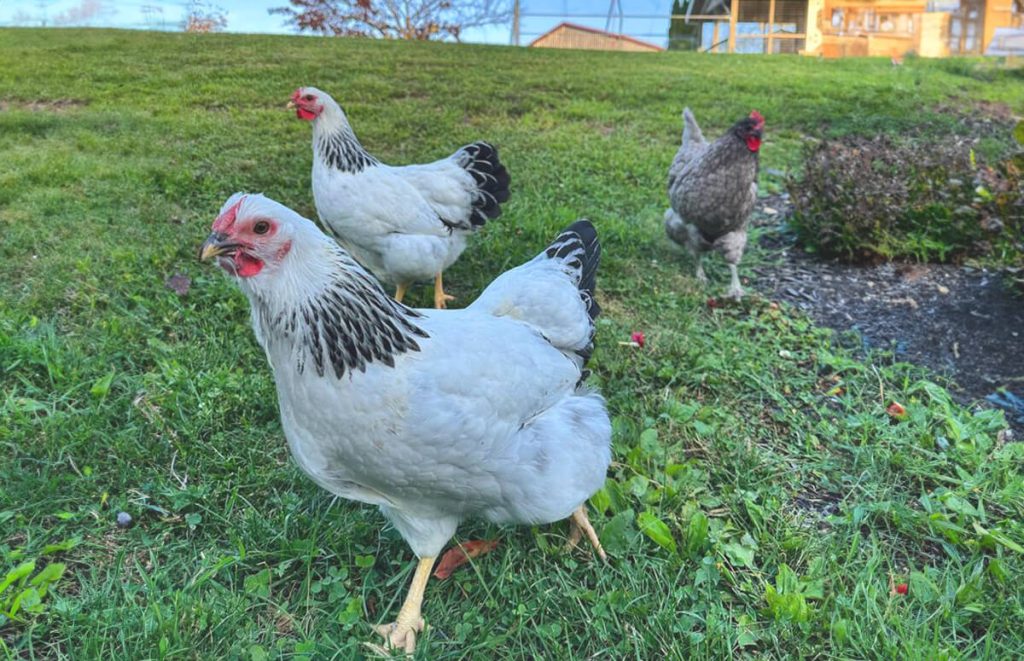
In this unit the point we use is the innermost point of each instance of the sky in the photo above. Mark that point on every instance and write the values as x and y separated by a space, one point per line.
251 16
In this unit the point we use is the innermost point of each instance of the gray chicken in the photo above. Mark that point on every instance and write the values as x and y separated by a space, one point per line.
712 188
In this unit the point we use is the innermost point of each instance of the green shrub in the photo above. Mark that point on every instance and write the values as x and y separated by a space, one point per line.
866 199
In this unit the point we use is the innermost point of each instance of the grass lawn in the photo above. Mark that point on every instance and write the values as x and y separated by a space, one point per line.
762 503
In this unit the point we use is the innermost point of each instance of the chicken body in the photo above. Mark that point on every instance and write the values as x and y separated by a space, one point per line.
404 223
432 415
712 188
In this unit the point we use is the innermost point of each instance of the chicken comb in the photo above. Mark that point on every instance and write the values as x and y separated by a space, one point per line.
757 117
226 220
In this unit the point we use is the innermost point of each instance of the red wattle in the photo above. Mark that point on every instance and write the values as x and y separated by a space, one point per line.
753 143
247 266
307 115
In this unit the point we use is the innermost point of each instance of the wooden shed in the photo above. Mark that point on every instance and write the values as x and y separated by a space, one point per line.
842 28
571 35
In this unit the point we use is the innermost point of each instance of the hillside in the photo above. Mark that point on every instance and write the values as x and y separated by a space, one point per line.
789 502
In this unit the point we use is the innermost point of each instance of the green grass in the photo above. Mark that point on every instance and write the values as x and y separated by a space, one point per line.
760 502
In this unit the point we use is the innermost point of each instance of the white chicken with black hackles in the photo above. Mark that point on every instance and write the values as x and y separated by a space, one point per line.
404 223
434 416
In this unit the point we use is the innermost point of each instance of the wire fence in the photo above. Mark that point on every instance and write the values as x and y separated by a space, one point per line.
641 19
742 26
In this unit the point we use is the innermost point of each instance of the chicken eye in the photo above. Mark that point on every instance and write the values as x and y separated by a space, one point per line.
262 227
308 97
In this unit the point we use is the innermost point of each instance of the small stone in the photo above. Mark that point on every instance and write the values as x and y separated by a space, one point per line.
943 289
124 520
769 211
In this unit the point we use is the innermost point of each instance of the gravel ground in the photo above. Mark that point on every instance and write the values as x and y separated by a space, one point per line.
959 321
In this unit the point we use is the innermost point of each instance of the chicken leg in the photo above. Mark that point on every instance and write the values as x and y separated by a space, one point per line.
731 247
701 277
440 298
401 634
400 292
579 524
735 290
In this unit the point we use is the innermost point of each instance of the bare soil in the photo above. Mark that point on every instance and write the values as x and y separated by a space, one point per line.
45 105
961 322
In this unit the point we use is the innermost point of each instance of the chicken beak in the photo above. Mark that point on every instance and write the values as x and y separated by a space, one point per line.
290 105
213 246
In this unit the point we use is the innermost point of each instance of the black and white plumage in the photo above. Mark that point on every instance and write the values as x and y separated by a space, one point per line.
712 188
434 416
403 223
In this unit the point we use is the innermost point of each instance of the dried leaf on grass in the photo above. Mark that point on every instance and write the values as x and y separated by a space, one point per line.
460 555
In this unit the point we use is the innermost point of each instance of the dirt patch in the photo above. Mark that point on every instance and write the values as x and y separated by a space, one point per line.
817 501
997 110
46 105
962 322
983 117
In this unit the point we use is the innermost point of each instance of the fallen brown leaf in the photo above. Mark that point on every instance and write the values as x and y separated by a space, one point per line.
460 555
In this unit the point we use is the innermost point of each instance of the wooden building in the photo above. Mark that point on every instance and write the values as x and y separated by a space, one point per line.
935 28
570 35
841 28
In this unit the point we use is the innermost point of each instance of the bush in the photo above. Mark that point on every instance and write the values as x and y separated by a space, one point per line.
868 199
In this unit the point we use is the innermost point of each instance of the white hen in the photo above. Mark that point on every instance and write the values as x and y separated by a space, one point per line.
404 223
434 416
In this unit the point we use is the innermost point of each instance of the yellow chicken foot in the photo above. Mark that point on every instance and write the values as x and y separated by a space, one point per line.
401 634
440 298
579 524
400 292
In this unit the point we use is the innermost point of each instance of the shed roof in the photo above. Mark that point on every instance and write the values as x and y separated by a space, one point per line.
605 33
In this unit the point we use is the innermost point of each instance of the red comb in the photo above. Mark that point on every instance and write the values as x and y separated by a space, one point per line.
224 221
757 117
296 94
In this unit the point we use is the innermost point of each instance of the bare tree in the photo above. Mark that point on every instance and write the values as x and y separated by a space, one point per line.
153 17
22 17
394 19
84 13
201 16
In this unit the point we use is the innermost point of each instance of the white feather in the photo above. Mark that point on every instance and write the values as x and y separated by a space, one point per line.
392 218
485 419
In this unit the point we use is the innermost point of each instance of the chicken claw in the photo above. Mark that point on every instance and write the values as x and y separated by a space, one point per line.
702 278
401 634
440 298
579 524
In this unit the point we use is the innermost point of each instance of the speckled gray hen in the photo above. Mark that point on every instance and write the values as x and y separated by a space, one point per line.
712 188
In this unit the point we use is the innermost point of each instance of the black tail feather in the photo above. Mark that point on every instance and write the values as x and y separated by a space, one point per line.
579 245
492 181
